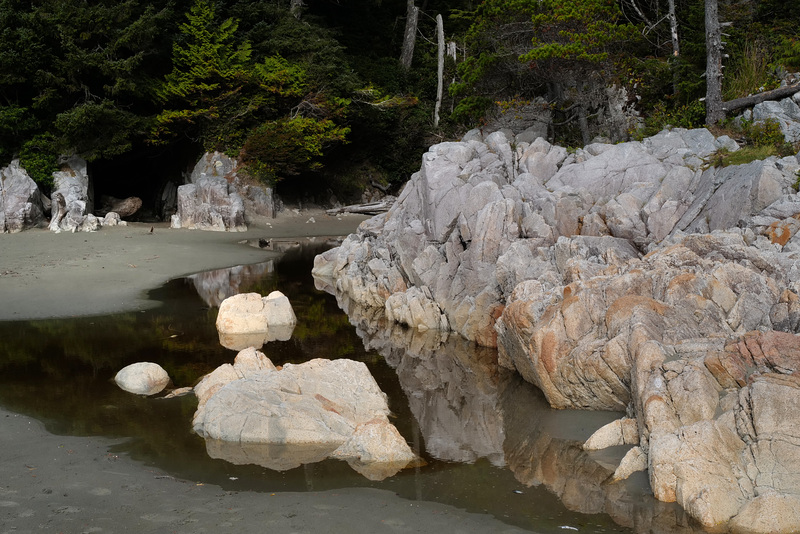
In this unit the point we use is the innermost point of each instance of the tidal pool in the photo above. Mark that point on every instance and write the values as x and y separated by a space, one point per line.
489 442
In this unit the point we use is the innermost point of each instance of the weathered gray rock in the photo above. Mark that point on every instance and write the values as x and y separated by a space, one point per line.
786 112
112 219
21 203
143 378
209 204
301 413
220 198
72 198
620 432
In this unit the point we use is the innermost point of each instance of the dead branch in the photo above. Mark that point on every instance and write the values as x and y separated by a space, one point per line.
752 100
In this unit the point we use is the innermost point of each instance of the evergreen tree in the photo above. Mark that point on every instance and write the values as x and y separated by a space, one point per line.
208 70
566 50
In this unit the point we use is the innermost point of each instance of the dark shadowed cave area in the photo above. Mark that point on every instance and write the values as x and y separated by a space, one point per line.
142 173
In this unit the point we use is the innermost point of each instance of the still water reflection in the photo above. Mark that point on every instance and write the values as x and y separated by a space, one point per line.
489 441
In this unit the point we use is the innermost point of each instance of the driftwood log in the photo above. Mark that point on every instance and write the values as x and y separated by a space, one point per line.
752 100
371 208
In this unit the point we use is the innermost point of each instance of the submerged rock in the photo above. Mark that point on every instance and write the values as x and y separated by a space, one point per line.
253 413
143 378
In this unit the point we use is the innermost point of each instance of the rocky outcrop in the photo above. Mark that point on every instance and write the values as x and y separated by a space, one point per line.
250 412
72 198
480 217
615 278
21 203
786 112
217 198
143 378
209 204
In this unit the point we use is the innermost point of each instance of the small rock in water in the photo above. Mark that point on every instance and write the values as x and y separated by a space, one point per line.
143 378
311 220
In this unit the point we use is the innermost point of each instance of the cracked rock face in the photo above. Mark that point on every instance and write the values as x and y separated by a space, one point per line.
618 277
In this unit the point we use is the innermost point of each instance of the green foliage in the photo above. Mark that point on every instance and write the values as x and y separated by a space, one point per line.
692 115
16 123
37 157
761 140
577 31
289 146
207 72
788 52
750 72
97 130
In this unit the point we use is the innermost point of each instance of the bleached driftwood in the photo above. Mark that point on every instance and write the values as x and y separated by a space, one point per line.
371 208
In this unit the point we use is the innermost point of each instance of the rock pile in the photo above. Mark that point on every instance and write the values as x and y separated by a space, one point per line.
627 277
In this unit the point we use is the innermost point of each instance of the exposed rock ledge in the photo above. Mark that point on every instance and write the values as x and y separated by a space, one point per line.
627 277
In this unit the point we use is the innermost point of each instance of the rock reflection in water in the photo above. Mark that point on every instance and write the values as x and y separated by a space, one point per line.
467 409
275 456
257 340
215 286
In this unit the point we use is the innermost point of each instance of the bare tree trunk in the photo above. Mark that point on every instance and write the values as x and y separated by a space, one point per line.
440 70
673 29
676 45
714 111
452 51
410 35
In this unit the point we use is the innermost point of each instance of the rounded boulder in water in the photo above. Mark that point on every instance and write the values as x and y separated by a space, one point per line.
143 378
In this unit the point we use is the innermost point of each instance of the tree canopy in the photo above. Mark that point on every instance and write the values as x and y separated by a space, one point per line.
299 90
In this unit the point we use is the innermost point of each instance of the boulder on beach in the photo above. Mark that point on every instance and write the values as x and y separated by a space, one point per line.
72 201
143 378
21 203
250 412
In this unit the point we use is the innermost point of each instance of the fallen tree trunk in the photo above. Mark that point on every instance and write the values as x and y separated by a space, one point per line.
372 208
752 100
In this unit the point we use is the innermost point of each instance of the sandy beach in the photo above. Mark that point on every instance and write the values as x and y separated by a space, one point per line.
51 483
43 274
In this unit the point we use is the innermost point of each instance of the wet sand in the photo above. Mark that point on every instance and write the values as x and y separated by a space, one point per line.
51 483
75 485
43 274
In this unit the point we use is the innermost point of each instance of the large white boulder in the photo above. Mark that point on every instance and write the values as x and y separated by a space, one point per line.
253 413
